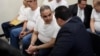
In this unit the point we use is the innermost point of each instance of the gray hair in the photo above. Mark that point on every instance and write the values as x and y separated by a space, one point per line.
44 7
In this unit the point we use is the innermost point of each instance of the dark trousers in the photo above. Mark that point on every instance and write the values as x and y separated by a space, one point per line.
41 52
6 27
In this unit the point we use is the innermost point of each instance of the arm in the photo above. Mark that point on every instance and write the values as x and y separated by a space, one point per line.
34 37
92 25
33 40
23 33
47 45
52 41
32 46
24 25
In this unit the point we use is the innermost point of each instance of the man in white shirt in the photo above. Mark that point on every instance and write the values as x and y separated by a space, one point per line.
95 18
8 26
25 32
45 33
55 3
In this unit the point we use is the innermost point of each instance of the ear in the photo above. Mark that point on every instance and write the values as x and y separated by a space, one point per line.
60 20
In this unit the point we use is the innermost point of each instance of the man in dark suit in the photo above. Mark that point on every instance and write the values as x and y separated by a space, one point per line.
72 39
86 10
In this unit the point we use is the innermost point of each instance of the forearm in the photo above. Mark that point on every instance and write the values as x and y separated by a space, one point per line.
24 26
92 26
34 38
47 45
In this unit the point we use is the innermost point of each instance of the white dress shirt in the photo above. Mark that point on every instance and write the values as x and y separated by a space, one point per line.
80 13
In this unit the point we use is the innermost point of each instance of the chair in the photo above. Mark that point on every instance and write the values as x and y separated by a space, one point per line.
1 35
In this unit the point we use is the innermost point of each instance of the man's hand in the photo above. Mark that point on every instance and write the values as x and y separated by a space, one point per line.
31 49
22 34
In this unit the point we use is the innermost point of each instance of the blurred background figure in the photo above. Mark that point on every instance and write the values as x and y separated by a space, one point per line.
46 2
55 3
95 18
80 9
16 22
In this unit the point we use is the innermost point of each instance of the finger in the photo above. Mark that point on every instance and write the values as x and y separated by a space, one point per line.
28 52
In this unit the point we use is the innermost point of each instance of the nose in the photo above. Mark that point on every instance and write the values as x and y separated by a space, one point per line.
48 17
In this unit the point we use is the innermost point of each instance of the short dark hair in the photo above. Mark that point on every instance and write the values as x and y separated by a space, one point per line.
44 7
79 1
62 12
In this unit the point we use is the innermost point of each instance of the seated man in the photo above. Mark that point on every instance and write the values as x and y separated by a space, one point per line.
24 33
95 19
7 26
82 10
44 34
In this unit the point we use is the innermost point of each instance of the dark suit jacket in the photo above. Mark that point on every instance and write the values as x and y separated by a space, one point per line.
87 13
72 40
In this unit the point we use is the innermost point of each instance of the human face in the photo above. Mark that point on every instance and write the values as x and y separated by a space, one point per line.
25 3
31 3
97 8
47 16
82 5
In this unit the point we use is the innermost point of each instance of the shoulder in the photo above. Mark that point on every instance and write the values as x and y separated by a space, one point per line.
76 19
39 20
54 23
37 9
89 6
73 6
74 23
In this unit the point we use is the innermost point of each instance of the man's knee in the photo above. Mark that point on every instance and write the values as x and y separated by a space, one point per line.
5 24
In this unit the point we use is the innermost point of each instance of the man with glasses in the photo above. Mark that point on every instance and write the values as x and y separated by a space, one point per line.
45 33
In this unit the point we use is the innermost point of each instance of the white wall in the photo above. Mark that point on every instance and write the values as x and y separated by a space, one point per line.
9 9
